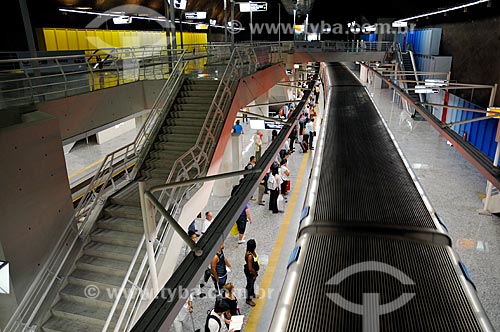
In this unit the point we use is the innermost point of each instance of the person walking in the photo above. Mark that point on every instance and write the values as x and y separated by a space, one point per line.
251 269
220 266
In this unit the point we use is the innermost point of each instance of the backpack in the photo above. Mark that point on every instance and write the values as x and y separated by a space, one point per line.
271 182
210 316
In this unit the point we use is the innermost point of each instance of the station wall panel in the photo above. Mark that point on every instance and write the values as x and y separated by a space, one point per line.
58 39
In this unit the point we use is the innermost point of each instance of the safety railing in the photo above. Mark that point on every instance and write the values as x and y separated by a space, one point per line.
192 164
32 80
117 162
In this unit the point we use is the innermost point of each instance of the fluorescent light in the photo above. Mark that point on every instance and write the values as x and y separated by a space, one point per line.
435 83
4 278
444 10
399 24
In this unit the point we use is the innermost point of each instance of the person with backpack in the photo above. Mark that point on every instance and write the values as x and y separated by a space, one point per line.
215 317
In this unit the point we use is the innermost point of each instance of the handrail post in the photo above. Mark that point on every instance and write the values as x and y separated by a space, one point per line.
149 230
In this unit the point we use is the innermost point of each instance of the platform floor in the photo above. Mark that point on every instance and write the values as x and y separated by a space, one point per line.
453 186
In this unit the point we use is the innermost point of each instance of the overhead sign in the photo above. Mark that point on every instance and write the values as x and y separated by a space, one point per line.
195 15
246 7
122 20
272 125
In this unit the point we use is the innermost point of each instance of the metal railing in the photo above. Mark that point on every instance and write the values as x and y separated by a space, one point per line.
192 164
32 80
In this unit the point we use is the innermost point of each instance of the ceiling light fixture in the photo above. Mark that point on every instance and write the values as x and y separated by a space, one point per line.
446 10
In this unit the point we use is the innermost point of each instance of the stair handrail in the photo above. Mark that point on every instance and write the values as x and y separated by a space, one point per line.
84 215
243 60
400 63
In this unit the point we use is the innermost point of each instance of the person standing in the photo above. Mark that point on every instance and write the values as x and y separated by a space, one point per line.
209 216
231 300
310 129
220 267
285 174
215 317
257 140
237 128
262 190
251 268
274 185
241 223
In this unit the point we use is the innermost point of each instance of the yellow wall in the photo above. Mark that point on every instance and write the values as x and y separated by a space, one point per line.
56 39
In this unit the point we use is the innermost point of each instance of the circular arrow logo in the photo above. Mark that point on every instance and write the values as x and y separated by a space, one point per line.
234 27
370 309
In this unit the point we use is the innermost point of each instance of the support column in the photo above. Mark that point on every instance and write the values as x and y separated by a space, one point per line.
363 74
231 161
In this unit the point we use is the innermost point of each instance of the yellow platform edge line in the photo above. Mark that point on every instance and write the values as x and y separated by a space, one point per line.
256 312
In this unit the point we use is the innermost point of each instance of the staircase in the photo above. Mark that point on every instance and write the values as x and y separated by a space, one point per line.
109 251
408 67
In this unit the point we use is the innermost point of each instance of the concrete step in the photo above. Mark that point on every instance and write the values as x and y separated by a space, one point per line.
185 129
198 93
200 87
186 115
183 121
106 266
103 282
81 313
178 138
160 174
165 164
78 294
104 250
167 153
56 324
122 224
123 211
167 146
191 107
195 100
127 196
116 237
201 81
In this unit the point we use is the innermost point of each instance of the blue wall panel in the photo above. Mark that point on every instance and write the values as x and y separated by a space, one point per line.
481 134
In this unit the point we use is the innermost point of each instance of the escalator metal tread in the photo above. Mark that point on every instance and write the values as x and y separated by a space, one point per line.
440 302
363 179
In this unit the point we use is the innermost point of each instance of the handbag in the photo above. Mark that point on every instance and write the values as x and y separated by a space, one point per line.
288 186
281 203
207 275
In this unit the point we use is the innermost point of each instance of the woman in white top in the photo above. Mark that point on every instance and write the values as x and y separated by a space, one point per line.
310 130
284 172
274 184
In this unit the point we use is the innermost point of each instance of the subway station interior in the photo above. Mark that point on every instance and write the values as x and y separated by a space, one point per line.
138 139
